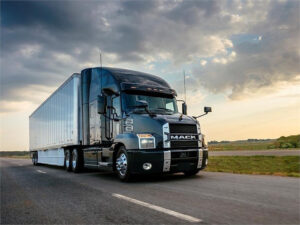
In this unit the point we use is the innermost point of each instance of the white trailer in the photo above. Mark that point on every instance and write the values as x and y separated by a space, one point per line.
55 123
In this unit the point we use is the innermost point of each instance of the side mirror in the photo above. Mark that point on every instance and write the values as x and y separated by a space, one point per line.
110 91
207 109
141 104
184 108
101 104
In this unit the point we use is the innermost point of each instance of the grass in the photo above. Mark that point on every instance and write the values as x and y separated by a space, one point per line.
260 145
289 142
15 154
267 165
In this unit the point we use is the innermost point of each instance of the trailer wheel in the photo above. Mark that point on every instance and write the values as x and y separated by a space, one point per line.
122 165
68 160
76 160
191 172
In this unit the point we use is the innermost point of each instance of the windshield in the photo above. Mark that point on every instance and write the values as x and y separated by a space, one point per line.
158 105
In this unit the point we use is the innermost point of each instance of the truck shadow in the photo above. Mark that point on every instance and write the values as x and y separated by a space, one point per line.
150 178
109 176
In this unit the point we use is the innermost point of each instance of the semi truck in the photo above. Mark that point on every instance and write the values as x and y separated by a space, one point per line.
117 120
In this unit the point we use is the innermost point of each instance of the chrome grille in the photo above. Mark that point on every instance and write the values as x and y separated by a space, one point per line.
183 129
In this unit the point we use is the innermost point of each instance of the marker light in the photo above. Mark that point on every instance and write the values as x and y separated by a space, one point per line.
144 135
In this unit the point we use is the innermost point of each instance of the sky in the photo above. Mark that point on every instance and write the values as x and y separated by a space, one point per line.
240 57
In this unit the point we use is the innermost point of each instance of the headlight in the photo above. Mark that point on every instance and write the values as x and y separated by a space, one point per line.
146 141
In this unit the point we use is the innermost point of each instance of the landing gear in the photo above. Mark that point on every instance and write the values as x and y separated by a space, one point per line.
35 159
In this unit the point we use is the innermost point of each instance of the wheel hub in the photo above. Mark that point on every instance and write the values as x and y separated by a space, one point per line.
121 164
74 157
67 160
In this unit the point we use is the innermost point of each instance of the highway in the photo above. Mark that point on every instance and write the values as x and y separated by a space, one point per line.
50 195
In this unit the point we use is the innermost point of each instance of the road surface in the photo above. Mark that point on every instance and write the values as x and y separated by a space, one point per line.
50 195
255 152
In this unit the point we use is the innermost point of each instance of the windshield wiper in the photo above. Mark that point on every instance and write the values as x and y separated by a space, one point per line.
144 110
168 110
136 110
163 111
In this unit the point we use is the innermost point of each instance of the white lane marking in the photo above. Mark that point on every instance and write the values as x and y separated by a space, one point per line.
160 209
40 171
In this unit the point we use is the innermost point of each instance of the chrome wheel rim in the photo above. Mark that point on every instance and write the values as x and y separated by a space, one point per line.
121 164
67 160
74 157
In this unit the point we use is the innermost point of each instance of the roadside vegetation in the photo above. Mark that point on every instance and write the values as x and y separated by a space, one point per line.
290 142
267 165
15 154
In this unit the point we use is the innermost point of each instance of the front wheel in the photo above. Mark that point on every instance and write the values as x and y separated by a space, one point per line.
122 165
191 172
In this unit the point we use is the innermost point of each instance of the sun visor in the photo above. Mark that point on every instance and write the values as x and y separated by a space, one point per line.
147 90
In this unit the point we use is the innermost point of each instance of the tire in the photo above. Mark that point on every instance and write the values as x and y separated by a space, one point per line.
35 159
191 172
122 165
68 155
76 161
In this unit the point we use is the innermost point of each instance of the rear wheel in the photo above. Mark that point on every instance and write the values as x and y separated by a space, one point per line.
122 164
76 160
191 172
68 160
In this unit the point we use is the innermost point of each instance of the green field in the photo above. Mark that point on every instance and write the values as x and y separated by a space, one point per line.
268 165
15 154
289 142
261 145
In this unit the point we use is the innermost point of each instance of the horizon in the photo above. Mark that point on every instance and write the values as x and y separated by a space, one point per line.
241 58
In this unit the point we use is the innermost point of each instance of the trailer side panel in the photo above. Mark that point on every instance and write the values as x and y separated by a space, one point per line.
55 123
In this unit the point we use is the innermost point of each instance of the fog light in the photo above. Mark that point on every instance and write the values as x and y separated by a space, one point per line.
147 166
206 162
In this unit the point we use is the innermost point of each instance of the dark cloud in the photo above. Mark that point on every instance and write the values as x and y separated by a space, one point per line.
43 42
271 58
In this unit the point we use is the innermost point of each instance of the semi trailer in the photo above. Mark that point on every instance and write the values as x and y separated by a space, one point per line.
117 120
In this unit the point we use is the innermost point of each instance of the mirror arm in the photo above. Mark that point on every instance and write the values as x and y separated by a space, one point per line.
196 117
180 100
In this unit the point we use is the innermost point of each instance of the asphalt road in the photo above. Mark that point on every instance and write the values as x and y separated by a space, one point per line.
50 195
276 152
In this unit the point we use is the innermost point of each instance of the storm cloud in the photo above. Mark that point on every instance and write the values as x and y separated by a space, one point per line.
233 47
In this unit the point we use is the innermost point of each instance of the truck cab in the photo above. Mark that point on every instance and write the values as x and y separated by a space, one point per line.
130 123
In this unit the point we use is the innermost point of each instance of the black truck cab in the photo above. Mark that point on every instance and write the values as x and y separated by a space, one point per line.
130 123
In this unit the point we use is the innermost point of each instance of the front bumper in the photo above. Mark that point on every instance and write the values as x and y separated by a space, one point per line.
167 161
